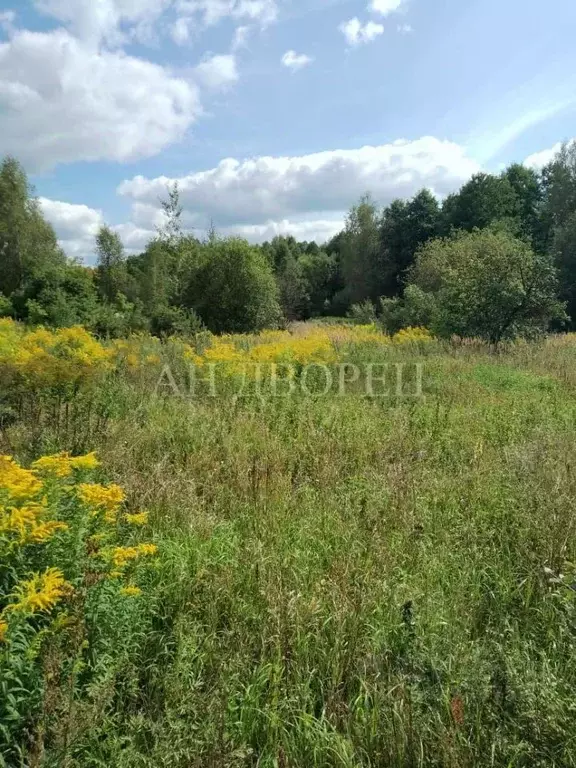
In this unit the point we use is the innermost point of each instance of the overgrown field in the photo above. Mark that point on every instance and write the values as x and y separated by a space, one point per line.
323 578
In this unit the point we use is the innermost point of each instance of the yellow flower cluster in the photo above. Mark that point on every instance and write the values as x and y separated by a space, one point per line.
140 518
137 351
131 591
62 464
106 498
42 359
27 517
40 593
413 336
121 556
17 483
28 523
306 343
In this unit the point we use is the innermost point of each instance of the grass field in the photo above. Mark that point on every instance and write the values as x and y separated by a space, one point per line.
341 581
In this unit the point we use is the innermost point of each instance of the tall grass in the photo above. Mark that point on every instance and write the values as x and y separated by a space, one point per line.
342 581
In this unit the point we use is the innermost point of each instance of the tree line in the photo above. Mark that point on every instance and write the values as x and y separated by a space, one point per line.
495 259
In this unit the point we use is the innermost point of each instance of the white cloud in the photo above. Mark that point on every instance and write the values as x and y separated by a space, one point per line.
240 39
61 101
109 20
213 11
539 159
264 189
357 33
180 30
320 230
385 7
296 61
217 72
76 226
405 29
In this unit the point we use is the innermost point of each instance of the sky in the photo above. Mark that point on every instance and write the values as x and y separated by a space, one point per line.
274 116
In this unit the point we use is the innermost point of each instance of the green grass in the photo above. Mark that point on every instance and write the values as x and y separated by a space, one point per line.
345 582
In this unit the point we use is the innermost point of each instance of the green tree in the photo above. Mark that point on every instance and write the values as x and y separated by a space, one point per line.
360 252
111 267
233 289
488 285
405 226
558 217
483 200
28 245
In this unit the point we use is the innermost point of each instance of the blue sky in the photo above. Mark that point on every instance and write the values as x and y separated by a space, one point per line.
274 115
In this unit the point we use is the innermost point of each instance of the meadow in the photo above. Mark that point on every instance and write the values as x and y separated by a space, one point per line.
316 579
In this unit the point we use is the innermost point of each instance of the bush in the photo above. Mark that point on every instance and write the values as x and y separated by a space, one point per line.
484 284
234 290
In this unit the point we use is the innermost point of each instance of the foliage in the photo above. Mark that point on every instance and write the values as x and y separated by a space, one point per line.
340 580
487 285
234 288
71 559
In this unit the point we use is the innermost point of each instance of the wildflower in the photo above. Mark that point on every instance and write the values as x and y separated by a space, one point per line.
45 531
19 483
3 630
89 461
103 497
141 518
27 523
147 549
121 556
58 465
42 592
131 591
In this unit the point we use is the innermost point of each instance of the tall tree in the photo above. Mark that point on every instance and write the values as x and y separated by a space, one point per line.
405 226
28 245
482 201
234 289
111 264
360 251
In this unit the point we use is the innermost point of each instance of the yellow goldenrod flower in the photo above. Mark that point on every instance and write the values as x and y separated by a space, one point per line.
131 591
141 518
45 531
105 497
58 465
121 556
90 461
40 593
28 524
147 549
3 630
19 483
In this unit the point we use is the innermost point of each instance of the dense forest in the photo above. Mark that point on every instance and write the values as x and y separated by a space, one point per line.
494 259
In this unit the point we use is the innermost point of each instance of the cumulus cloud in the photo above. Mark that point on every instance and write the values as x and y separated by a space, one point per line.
111 20
61 101
357 33
320 230
264 189
76 226
217 72
385 7
296 61
538 160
